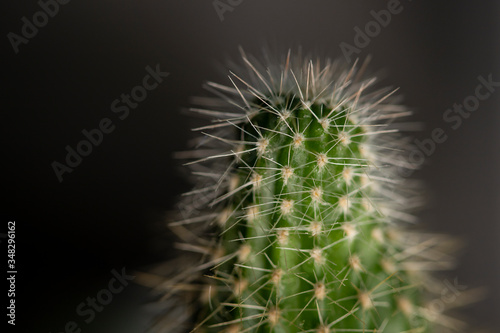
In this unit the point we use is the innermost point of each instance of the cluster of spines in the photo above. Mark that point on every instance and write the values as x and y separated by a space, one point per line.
307 231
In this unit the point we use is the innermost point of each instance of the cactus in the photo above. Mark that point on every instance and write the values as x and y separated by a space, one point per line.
299 221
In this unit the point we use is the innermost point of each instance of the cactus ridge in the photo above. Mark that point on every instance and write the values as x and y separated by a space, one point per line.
300 215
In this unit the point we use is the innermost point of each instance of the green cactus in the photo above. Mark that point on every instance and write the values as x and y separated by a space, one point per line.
301 210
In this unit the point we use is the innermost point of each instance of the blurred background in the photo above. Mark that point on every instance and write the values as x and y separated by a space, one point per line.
108 213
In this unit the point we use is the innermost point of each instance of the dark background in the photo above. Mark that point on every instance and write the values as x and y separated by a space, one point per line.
109 212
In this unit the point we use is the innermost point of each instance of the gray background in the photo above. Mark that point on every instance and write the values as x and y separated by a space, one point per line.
109 212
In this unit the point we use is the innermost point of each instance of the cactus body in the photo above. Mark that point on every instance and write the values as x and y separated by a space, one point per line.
302 227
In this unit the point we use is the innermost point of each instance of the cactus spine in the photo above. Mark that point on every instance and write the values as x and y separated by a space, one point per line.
300 212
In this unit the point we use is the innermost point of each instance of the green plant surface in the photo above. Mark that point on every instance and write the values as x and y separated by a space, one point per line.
302 217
